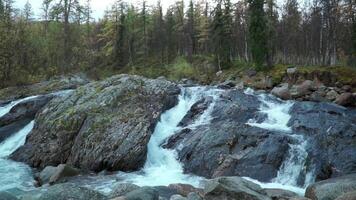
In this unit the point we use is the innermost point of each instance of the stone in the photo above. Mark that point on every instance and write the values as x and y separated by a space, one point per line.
347 88
194 196
348 196
185 189
102 125
62 171
280 193
227 84
122 188
331 188
64 191
177 197
233 188
303 89
291 70
45 175
143 193
331 95
282 92
345 99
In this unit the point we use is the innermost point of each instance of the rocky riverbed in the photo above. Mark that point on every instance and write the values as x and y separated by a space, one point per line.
213 135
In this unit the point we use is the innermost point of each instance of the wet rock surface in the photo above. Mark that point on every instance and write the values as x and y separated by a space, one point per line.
102 125
332 188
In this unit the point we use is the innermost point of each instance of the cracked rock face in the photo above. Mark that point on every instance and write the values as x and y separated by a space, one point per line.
102 125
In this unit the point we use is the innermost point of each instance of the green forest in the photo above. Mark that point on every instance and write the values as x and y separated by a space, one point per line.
200 38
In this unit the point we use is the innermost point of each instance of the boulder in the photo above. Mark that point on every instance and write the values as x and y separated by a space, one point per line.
345 99
143 193
185 189
122 188
331 95
279 194
331 131
53 175
177 197
25 110
282 92
194 196
331 188
303 89
348 196
102 125
64 191
227 84
233 188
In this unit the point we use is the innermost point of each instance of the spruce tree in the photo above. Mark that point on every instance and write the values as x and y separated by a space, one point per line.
258 32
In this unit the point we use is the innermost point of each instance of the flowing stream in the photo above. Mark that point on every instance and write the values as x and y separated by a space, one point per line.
162 166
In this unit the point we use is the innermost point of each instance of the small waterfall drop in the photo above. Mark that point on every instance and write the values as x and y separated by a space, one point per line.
162 166
5 109
293 167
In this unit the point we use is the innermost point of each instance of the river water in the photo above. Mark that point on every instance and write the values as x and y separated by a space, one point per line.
162 166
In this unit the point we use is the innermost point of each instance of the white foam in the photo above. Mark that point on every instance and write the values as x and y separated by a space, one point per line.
277 115
300 191
162 166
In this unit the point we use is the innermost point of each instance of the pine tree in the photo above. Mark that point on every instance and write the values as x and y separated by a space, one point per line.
258 32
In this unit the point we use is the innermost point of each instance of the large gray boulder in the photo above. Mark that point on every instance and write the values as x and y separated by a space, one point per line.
233 188
64 191
122 188
332 188
102 125
331 133
53 175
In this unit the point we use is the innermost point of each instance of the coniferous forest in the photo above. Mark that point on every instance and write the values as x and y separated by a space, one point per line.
142 38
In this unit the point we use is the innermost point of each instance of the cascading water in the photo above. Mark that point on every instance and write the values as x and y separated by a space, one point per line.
15 174
162 166
21 176
277 119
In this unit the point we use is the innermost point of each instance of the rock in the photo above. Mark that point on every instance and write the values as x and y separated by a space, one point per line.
227 84
282 92
227 146
102 125
64 192
194 196
332 95
62 171
45 87
251 72
233 188
348 196
345 99
331 131
122 188
45 175
143 193
7 196
280 194
185 189
25 109
291 70
165 192
177 197
303 89
332 188
347 88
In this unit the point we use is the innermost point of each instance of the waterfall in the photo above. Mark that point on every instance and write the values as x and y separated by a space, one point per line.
293 167
14 174
162 166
